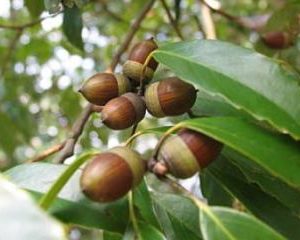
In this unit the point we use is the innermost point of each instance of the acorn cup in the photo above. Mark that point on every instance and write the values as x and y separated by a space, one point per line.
187 152
102 87
112 174
133 67
170 97
123 112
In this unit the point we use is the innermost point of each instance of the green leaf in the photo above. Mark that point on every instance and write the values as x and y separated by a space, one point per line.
111 236
149 232
21 219
244 78
35 7
72 26
258 202
283 192
219 223
277 154
146 232
71 207
213 191
143 202
28 176
177 215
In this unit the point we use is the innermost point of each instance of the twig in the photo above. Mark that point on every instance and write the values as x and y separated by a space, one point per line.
171 19
48 152
133 29
79 124
68 149
10 50
207 21
27 25
253 23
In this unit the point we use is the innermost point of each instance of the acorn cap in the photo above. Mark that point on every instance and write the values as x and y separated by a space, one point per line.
187 152
102 87
133 67
124 111
110 175
170 97
134 70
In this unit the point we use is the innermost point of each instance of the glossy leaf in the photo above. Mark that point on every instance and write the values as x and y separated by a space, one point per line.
71 207
177 216
143 202
284 193
219 223
34 7
213 191
277 154
21 219
247 80
261 204
72 26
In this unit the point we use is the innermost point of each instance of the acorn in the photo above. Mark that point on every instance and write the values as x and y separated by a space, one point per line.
185 153
277 40
110 175
102 87
124 111
170 97
133 67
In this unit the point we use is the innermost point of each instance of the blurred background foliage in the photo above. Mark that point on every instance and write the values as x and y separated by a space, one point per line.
48 51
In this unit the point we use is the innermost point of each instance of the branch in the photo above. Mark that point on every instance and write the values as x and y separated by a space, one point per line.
207 21
10 51
171 19
252 23
48 152
27 25
69 145
133 29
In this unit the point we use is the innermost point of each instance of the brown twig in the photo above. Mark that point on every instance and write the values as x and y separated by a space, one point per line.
253 23
48 152
171 19
27 25
68 149
133 29
207 21
69 145
10 50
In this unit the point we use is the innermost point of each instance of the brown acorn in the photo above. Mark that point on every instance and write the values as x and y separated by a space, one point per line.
277 40
133 67
124 111
170 97
102 87
110 175
185 153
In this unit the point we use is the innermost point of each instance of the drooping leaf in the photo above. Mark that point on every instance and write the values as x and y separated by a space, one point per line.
22 219
72 26
71 206
177 215
143 202
261 204
213 191
220 223
35 7
244 78
278 154
284 193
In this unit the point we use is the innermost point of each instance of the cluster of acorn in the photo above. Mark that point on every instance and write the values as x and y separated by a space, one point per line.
110 175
